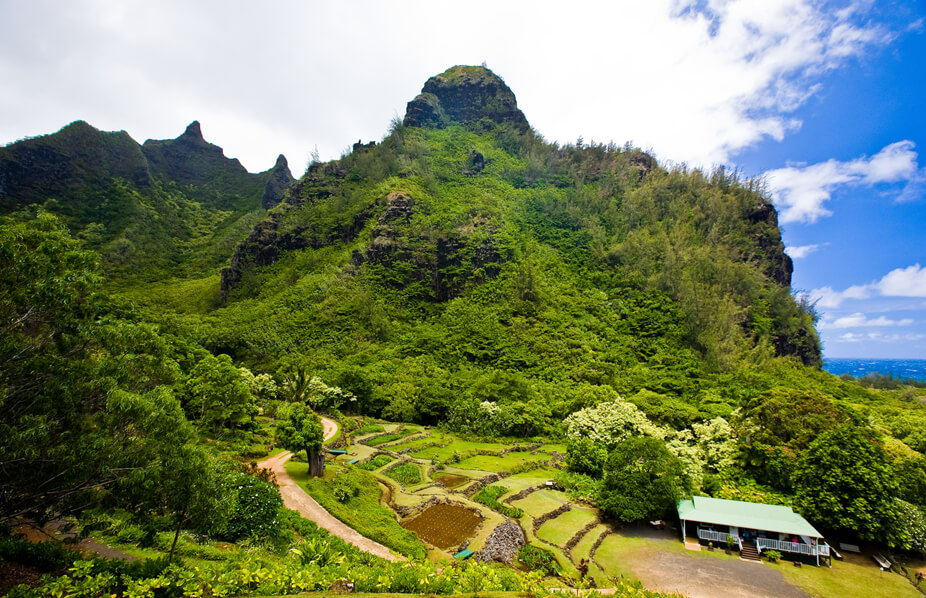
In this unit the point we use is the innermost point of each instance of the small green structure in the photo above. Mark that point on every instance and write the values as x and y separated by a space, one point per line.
337 452
753 526
353 461
464 554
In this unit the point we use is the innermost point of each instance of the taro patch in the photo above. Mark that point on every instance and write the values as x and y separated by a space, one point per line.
450 480
445 525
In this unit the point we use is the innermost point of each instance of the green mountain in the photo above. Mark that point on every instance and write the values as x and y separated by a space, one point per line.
167 207
464 258
463 271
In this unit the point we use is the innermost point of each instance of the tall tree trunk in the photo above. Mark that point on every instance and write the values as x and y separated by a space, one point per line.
173 547
316 462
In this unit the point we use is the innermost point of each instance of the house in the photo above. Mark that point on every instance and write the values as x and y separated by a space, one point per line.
751 525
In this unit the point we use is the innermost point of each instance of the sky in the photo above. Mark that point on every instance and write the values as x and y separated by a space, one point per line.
822 99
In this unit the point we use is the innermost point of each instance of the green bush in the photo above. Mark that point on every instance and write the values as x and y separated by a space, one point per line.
45 556
538 559
257 508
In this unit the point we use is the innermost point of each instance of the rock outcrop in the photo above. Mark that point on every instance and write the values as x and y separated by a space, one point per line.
190 159
279 180
465 95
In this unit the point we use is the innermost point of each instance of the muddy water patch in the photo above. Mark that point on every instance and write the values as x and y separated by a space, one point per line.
445 524
451 481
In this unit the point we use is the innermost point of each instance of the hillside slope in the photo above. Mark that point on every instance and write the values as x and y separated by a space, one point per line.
464 256
168 207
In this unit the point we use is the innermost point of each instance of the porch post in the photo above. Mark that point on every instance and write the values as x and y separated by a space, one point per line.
683 531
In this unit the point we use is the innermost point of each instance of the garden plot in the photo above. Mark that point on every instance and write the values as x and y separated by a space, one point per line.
505 462
443 453
559 530
445 525
541 502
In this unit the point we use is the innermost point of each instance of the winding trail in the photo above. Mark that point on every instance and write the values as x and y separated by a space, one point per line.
297 499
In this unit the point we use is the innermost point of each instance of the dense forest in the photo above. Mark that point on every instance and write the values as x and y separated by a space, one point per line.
159 305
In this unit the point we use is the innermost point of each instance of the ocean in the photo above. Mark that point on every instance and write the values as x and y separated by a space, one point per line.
899 368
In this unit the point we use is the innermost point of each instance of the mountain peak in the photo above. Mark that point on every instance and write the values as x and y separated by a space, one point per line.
193 134
464 94
278 182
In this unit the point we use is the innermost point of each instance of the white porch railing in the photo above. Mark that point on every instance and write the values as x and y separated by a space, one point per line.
721 537
798 547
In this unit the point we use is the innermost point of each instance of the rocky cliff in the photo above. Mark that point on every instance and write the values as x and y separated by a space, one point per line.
464 95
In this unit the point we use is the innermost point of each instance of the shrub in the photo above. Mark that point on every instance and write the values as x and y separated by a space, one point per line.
772 555
257 507
45 556
538 559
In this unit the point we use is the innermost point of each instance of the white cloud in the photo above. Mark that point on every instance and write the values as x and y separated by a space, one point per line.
900 282
696 81
800 192
904 282
878 337
827 297
801 251
860 320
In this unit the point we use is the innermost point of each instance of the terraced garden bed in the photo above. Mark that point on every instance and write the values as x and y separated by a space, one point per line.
405 473
451 480
541 501
558 531
445 525
506 462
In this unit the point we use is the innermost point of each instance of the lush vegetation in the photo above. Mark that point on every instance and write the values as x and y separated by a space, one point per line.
475 278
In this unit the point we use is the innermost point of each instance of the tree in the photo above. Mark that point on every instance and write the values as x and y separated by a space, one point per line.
298 428
168 471
844 483
67 437
642 479
217 396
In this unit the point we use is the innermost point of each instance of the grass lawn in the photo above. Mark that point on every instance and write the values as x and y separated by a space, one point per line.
616 551
846 579
503 463
558 531
537 503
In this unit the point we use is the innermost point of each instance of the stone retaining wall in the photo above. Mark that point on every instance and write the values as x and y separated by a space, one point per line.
551 515
578 537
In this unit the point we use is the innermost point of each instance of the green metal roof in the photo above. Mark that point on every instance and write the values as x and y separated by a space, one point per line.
750 515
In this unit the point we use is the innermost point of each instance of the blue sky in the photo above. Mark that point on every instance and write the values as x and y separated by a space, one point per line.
824 99
861 253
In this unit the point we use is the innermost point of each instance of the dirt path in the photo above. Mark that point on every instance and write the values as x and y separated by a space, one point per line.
330 427
296 498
